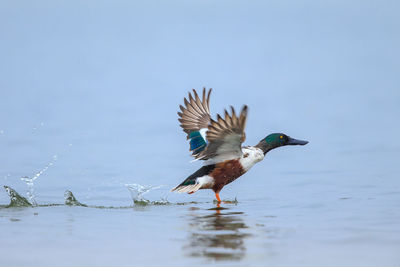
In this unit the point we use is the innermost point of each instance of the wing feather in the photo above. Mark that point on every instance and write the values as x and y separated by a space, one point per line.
225 136
194 116
196 113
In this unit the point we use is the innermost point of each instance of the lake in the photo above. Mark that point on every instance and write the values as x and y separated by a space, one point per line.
88 98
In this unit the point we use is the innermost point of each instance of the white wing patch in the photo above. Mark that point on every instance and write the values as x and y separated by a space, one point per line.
203 132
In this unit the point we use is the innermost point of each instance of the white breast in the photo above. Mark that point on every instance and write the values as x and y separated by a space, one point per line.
251 155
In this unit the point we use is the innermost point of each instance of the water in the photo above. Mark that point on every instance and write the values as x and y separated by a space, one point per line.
90 140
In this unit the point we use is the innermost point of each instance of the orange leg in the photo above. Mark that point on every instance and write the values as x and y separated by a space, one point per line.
217 196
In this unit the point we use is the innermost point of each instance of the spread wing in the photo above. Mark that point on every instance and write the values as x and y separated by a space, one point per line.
195 118
225 136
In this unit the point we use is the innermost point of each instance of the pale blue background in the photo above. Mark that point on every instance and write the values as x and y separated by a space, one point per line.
98 83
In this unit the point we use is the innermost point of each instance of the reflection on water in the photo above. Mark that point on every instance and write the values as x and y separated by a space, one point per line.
218 235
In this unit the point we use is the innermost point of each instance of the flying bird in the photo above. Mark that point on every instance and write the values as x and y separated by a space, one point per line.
218 143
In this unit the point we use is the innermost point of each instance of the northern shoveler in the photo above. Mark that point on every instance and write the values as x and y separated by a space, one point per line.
219 144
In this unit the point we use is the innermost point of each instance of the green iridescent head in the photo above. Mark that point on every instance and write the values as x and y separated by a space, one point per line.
278 139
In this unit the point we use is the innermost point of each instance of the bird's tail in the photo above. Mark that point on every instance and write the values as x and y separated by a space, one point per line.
194 182
190 189
190 186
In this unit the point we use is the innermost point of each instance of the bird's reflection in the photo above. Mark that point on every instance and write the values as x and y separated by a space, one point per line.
218 235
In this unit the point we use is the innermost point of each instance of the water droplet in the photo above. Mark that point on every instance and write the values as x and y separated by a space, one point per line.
137 191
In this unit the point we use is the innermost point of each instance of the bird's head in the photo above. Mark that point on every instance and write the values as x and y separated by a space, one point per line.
276 140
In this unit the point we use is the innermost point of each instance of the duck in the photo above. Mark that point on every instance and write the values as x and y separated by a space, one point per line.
218 144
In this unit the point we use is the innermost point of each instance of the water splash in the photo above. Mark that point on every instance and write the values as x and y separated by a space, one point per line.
30 192
137 191
70 199
16 200
29 181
